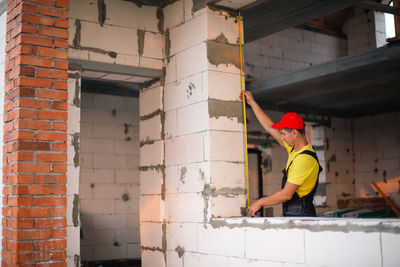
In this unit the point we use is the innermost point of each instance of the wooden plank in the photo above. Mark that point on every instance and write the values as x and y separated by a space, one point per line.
376 186
375 203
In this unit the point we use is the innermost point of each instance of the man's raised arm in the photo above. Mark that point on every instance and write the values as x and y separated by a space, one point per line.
263 118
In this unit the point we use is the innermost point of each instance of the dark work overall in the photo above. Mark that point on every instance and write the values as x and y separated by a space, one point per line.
300 206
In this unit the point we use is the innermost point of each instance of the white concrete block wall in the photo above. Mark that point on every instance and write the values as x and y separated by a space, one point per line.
376 149
3 18
339 166
366 30
137 29
73 166
290 50
109 177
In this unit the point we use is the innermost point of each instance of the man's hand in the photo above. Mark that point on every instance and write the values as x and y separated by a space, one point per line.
248 97
254 208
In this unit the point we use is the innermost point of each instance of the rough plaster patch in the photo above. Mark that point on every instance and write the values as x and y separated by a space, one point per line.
152 248
140 34
75 210
77 37
219 51
206 195
167 45
75 144
220 108
160 17
77 260
151 115
183 174
77 102
228 192
164 240
102 11
290 224
147 141
180 250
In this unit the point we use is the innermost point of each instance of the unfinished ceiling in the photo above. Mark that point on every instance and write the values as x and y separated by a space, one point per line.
362 84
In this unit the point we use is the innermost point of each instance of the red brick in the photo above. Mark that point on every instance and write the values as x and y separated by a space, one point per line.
20 91
62 3
59 147
52 74
19 223
54 12
30 257
59 255
14 13
60 43
50 201
54 53
51 115
54 32
33 61
21 70
60 168
30 167
30 190
19 246
32 124
59 233
51 245
19 113
19 156
33 82
19 179
61 64
51 157
60 85
34 19
19 135
59 212
51 179
60 105
24 145
50 223
21 50
33 103
34 40
52 94
51 136
22 28
19 201
28 8
29 213
61 23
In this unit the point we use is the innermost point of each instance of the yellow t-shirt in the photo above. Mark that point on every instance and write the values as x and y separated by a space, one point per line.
303 171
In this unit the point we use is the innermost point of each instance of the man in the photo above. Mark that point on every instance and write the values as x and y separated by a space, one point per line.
300 177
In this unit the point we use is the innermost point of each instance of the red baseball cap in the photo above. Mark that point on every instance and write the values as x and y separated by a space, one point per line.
290 120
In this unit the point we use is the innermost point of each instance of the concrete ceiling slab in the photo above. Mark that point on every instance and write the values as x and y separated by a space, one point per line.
367 83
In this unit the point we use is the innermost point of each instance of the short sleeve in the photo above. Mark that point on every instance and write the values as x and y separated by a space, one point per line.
301 168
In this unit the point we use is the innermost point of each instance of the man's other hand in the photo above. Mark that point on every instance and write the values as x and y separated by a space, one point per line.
254 208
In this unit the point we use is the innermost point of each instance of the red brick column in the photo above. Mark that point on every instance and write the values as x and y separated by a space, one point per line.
35 133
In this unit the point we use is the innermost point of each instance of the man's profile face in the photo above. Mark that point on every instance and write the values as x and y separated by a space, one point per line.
287 136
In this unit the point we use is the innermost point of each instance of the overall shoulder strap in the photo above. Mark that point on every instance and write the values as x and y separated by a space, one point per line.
307 152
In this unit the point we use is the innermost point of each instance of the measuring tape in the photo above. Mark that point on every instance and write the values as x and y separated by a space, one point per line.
244 111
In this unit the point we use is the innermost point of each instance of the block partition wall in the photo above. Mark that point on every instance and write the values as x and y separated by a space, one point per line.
35 134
